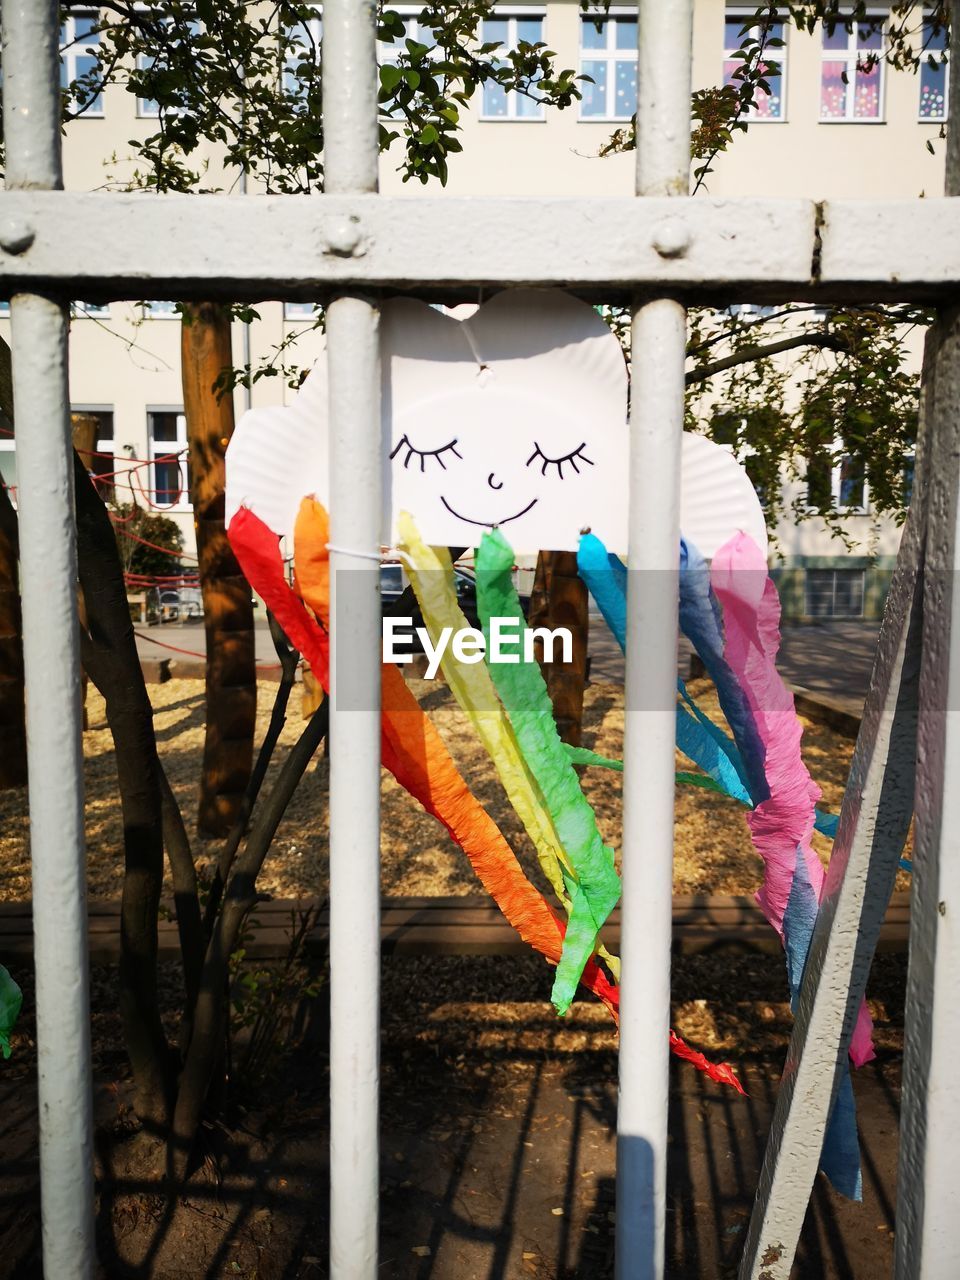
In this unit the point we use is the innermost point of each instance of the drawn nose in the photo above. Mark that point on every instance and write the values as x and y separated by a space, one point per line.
493 482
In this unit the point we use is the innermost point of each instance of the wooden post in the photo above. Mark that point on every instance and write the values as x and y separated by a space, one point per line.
227 600
559 599
83 428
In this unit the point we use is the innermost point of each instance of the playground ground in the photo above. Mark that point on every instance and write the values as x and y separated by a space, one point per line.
498 1118
497 1141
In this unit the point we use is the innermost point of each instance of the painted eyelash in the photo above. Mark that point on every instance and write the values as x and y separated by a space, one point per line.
423 454
559 463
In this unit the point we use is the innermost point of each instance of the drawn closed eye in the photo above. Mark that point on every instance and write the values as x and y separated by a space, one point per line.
423 454
560 463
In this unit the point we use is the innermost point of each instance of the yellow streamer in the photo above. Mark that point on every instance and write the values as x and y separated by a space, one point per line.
431 574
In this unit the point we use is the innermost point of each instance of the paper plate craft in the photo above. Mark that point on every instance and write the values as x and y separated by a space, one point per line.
514 417
506 430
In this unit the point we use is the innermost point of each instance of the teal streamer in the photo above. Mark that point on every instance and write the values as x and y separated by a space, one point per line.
523 692
698 737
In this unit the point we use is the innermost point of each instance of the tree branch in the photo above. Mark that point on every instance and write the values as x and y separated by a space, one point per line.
747 355
241 894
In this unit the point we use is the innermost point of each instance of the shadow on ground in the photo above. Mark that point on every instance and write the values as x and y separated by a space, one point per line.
498 1142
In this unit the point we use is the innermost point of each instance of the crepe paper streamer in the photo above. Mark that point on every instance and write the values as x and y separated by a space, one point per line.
431 576
721 1072
826 823
421 763
11 999
840 1158
701 621
411 747
581 756
698 738
782 824
523 692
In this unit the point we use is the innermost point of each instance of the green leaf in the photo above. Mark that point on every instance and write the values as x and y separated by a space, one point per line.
390 77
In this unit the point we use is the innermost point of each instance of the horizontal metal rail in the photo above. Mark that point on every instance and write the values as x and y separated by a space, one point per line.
300 247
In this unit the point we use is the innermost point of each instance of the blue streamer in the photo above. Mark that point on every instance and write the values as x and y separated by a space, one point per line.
697 736
840 1158
701 622
738 765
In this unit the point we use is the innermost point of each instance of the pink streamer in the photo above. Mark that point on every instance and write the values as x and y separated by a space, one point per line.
784 822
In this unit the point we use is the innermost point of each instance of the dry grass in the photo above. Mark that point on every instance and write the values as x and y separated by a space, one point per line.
713 850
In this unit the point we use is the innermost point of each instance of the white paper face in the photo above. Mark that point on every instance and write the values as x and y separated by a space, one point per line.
514 417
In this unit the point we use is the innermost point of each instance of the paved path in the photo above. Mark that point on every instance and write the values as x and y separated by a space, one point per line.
832 658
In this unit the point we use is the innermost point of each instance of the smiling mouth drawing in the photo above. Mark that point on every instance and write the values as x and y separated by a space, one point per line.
488 524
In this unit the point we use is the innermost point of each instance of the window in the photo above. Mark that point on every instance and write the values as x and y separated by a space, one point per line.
839 481
299 311
608 54
909 468
302 55
851 489
834 593
8 459
167 429
768 106
80 59
100 464
160 310
149 108
89 310
934 72
851 72
749 311
510 31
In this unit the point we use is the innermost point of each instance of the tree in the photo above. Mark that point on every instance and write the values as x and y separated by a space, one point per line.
148 544
231 675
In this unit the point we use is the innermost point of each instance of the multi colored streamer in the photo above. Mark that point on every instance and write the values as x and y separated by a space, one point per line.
411 747
595 887
431 576
413 751
731 615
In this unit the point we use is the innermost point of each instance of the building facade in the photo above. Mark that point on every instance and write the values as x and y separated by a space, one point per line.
833 126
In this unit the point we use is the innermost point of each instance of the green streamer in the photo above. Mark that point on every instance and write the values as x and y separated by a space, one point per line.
11 998
582 756
523 692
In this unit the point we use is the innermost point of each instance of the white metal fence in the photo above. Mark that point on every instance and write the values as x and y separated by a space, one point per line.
660 250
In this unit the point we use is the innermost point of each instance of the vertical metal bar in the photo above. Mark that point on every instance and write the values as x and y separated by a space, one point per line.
874 821
31 113
659 348
928 1175
928 1179
350 156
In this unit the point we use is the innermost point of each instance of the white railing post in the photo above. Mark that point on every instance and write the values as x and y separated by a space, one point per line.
928 1179
659 349
350 84
928 1174
48 563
